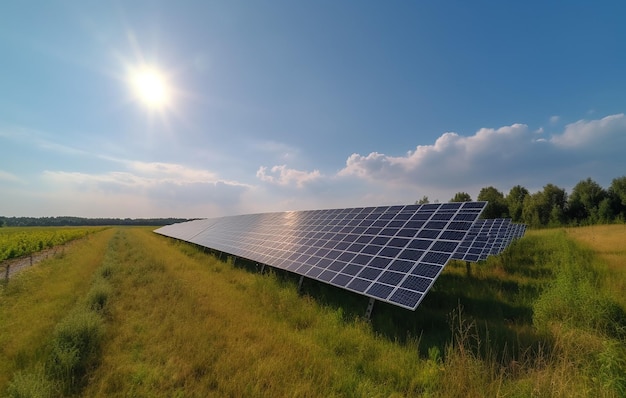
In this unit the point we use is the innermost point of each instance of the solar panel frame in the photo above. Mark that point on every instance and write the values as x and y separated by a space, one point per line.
389 253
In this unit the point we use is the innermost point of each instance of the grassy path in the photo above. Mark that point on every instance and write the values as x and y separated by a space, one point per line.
187 325
32 303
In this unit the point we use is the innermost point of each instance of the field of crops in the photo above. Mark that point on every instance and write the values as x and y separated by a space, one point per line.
18 242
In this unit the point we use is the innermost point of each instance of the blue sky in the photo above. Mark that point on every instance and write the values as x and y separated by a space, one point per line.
283 105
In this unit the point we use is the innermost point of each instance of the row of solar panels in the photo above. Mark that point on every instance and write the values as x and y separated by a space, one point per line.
488 237
389 253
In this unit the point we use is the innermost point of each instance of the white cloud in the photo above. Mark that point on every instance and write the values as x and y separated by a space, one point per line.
501 157
554 119
172 171
9 177
593 133
164 185
450 160
281 175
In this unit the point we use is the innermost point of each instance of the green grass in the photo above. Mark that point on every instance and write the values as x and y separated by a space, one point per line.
543 319
35 300
73 349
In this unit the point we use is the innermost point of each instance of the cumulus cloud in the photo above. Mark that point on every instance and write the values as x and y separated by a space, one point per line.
590 134
501 157
450 159
282 175
554 119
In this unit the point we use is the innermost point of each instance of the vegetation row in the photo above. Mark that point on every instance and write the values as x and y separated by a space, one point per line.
82 221
16 242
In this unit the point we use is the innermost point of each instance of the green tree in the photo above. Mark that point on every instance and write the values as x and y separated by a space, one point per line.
584 202
424 200
605 211
515 202
617 193
496 206
461 197
546 207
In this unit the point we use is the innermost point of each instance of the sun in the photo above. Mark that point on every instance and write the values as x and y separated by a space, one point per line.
150 87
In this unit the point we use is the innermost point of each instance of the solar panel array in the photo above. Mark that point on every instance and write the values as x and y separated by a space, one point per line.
488 237
390 253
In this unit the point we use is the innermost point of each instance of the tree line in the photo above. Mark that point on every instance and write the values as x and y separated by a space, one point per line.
588 203
80 221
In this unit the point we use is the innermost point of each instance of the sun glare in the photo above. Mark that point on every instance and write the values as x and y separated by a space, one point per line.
150 87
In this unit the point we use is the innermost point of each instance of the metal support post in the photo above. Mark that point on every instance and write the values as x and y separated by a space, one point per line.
300 283
370 307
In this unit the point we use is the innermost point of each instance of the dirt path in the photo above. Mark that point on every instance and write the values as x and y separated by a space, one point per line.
16 265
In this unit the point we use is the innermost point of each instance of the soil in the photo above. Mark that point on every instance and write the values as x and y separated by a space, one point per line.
18 264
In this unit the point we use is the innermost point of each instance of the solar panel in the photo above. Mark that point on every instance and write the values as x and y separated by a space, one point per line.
472 247
497 233
515 231
488 237
389 253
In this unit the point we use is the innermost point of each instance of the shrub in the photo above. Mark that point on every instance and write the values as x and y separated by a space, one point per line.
98 295
31 385
106 271
75 344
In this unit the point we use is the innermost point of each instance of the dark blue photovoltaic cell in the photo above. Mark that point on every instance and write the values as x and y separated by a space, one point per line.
352 269
408 297
359 285
327 275
391 278
379 290
403 266
341 280
416 283
370 273
314 272
427 270
390 253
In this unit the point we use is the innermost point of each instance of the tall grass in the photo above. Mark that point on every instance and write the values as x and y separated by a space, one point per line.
74 346
168 319
224 331
36 299
577 298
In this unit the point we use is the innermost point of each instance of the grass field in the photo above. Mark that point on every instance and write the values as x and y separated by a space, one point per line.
141 315
609 243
